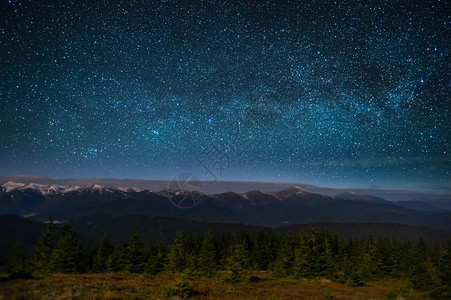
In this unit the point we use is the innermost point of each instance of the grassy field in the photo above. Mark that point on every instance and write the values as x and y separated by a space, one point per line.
131 286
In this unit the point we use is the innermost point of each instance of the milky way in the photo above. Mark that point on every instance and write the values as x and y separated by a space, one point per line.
351 93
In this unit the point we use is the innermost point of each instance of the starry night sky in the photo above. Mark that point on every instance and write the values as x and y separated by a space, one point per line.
333 93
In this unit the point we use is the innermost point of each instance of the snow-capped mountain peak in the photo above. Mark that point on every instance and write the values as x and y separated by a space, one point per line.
9 186
61 189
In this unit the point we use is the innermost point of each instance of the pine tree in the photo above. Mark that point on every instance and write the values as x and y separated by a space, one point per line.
425 276
263 250
222 243
354 278
444 272
88 253
336 256
117 262
283 266
101 257
445 262
18 265
384 257
237 262
318 259
370 264
419 272
312 255
192 249
157 257
397 253
176 256
207 256
45 248
66 257
136 254
404 256
302 253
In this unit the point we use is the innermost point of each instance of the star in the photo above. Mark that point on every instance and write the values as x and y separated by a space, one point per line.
350 93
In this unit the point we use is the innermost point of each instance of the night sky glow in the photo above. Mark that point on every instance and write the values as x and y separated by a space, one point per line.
333 93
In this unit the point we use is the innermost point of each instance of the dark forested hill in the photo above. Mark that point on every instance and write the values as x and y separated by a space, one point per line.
15 228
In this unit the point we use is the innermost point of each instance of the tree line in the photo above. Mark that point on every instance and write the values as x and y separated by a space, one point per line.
312 254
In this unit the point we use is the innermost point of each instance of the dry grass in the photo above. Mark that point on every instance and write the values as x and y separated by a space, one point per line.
133 286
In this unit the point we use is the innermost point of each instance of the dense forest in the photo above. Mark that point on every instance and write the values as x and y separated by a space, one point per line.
312 255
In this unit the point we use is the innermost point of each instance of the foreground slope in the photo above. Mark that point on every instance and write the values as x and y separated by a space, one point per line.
133 286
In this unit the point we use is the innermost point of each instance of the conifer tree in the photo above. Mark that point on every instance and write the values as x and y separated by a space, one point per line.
176 256
237 262
117 262
223 243
404 258
283 266
444 272
301 268
445 262
66 257
384 257
353 276
318 261
336 256
101 257
425 276
136 254
192 249
45 248
157 257
263 251
207 256
18 264
370 264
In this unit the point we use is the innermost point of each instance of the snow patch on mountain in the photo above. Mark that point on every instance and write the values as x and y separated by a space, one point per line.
61 189
9 186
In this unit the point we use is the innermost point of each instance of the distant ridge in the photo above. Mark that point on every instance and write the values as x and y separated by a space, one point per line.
217 187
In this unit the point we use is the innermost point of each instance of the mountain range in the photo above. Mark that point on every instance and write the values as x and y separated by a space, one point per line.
439 195
94 203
